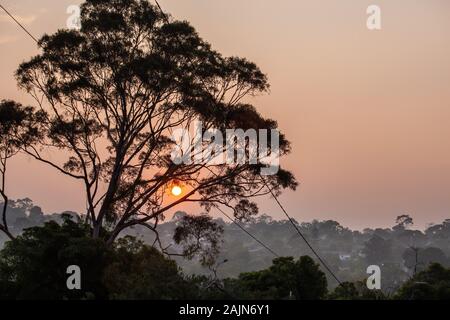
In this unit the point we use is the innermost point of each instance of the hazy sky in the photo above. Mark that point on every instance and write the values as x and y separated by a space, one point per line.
368 112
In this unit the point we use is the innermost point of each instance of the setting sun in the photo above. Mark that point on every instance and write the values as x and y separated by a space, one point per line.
176 191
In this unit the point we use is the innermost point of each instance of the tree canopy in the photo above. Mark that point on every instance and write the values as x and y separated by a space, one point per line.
432 283
109 96
18 128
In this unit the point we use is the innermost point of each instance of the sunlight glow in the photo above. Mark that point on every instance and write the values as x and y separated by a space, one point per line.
176 191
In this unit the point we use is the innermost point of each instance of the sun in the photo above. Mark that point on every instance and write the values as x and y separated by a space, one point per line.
176 191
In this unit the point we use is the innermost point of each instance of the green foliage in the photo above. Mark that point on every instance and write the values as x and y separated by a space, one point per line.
430 284
34 265
345 291
127 78
245 256
355 291
138 271
285 279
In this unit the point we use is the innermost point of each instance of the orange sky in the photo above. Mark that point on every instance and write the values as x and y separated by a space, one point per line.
368 112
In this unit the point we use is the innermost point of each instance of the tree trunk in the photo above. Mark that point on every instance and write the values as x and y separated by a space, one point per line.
4 226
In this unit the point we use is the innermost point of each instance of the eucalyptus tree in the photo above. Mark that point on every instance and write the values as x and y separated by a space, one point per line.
18 128
112 94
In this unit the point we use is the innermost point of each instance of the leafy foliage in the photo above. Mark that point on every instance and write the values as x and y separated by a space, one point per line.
430 284
139 272
355 291
111 94
199 236
285 279
34 265
18 128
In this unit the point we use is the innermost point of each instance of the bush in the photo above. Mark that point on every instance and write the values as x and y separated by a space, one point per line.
430 284
34 265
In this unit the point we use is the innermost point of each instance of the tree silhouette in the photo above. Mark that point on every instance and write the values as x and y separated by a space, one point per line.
199 235
417 259
17 129
432 283
403 222
34 265
377 249
112 94
286 278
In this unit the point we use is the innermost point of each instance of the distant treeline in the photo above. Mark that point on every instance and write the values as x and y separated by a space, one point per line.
399 251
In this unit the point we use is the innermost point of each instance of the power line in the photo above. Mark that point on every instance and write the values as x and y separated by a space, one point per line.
226 215
301 234
167 21
278 202
223 212
160 9
243 229
19 24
